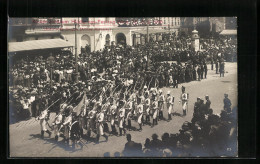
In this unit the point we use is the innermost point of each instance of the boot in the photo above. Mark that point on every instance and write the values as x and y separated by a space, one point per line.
124 131
97 139
106 137
88 133
48 133
140 125
68 142
42 134
73 144
184 112
129 125
153 123
169 117
56 138
120 131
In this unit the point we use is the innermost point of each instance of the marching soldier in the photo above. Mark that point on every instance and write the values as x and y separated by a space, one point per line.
128 108
161 104
44 117
140 110
100 126
184 100
154 108
112 117
147 108
121 118
67 123
169 103
91 122
227 103
57 125
82 117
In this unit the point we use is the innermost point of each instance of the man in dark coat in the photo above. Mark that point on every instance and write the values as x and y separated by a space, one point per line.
132 148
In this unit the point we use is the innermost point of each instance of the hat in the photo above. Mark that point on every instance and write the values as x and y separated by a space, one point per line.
169 92
198 98
145 87
160 91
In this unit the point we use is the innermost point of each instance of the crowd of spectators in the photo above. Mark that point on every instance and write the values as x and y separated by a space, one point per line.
32 91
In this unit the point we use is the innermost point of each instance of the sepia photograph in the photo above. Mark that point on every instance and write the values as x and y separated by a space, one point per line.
122 87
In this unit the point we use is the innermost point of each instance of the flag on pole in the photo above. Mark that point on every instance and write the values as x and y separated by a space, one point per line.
78 108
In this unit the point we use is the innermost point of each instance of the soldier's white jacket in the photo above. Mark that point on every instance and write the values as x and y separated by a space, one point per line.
140 108
43 115
100 117
184 97
161 98
68 120
122 113
58 119
169 100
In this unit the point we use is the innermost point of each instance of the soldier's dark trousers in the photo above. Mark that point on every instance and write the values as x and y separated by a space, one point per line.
161 115
140 127
206 75
184 112
113 129
42 134
88 133
169 116
147 119
98 137
120 131
153 122
212 66
56 138
129 124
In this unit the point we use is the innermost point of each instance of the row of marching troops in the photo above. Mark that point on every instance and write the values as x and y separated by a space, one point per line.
115 107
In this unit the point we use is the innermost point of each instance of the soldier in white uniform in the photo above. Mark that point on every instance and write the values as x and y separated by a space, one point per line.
184 100
112 112
161 100
147 108
57 125
44 117
154 108
140 110
100 126
128 109
169 103
91 122
121 118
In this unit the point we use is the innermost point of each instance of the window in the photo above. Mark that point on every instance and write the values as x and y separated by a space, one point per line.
85 19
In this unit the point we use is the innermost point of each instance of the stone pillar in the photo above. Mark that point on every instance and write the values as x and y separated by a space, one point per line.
195 40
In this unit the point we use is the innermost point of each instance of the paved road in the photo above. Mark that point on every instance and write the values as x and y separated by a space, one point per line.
25 139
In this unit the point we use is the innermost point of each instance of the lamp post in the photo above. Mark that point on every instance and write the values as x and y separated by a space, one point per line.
76 55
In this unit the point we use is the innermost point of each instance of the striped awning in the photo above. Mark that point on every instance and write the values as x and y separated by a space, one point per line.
151 31
37 45
228 32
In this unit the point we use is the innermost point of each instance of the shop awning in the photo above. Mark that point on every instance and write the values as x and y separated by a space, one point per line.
151 31
38 45
228 32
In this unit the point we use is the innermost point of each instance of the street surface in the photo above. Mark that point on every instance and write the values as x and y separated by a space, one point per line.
25 138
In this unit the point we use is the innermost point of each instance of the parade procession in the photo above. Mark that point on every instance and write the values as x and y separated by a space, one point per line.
122 92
